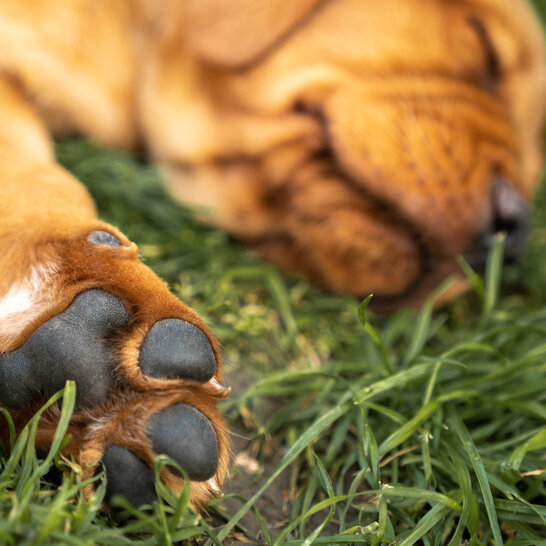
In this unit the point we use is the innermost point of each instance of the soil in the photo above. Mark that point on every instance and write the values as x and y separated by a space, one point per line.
248 473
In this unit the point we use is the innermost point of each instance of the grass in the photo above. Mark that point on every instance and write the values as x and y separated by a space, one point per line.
416 428
423 428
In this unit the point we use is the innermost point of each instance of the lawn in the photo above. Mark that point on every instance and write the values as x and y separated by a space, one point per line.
350 427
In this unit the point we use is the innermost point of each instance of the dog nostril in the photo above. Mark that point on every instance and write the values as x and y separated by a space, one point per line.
510 211
510 215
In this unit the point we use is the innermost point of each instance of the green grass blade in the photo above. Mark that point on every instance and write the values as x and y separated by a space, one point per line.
372 332
314 430
493 274
420 332
475 460
399 379
432 497
538 441
433 517
408 429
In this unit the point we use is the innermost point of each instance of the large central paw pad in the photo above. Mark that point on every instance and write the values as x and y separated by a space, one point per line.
73 345
129 423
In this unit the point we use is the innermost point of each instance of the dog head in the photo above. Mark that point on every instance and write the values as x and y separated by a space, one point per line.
365 145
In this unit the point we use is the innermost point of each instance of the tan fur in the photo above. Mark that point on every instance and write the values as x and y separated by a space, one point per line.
414 135
354 142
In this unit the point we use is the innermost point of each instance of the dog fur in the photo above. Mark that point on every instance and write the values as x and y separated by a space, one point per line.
353 142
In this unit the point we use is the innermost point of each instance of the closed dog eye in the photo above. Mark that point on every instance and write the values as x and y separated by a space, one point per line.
492 70
314 111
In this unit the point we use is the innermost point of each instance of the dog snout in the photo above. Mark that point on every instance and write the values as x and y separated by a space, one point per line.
509 215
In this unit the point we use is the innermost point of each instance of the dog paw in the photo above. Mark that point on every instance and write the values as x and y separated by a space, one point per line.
147 373
179 431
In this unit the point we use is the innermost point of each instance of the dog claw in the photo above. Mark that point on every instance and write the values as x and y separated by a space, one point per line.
214 487
219 390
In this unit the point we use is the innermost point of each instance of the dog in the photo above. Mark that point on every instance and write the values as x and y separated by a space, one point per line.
364 145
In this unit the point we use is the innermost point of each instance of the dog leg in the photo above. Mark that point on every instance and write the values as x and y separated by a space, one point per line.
76 303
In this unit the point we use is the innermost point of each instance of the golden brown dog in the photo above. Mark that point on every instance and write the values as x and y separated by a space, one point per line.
364 144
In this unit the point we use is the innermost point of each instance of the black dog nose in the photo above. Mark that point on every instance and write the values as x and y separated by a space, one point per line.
510 215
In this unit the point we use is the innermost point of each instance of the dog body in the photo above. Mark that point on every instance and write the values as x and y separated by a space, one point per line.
361 154
362 144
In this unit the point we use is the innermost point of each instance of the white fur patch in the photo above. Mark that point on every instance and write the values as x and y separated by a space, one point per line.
24 301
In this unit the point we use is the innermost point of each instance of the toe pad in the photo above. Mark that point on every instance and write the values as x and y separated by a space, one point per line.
181 432
176 349
103 238
128 476
188 437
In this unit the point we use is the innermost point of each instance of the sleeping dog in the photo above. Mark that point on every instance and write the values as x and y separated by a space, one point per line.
363 144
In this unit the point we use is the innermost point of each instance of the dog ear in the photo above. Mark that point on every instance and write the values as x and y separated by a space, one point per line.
234 33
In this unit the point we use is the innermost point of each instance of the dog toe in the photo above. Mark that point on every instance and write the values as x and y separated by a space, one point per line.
180 431
176 349
147 383
101 237
72 345
188 437
128 476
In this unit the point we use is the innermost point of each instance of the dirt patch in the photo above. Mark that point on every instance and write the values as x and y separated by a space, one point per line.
249 471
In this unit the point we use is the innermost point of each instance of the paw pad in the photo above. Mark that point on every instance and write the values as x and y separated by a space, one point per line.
103 238
176 349
128 476
188 437
179 431
72 345
88 343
